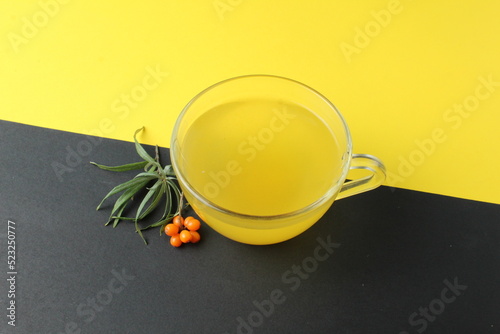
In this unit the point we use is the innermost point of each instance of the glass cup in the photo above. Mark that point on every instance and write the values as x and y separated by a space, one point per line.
261 158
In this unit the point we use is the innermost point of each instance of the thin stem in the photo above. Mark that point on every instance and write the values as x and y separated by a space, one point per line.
179 213
157 152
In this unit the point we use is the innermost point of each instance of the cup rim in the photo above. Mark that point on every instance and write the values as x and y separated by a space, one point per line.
332 191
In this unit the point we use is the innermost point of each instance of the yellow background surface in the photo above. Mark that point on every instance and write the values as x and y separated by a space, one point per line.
418 81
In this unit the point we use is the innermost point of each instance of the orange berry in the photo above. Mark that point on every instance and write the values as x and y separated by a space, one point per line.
193 224
171 229
185 236
195 236
175 240
179 221
187 220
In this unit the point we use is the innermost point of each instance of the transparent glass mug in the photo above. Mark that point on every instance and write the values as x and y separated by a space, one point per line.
261 158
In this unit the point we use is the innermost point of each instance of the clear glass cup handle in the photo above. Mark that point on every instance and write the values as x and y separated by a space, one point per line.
372 181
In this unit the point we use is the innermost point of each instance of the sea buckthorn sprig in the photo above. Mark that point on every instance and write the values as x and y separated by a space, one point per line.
183 231
163 186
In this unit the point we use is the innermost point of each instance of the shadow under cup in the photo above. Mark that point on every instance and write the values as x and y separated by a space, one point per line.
261 158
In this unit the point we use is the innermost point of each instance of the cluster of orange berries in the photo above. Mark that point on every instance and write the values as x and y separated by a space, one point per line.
182 231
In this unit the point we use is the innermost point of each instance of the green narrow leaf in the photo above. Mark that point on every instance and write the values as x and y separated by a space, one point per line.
177 194
167 215
122 168
146 198
142 152
120 211
152 168
122 217
168 202
147 174
169 170
125 186
175 189
127 195
156 200
138 230
161 222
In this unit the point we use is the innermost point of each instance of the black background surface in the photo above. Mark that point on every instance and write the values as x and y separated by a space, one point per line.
397 247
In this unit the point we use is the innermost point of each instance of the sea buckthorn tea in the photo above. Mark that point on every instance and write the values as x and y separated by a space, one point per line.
261 158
